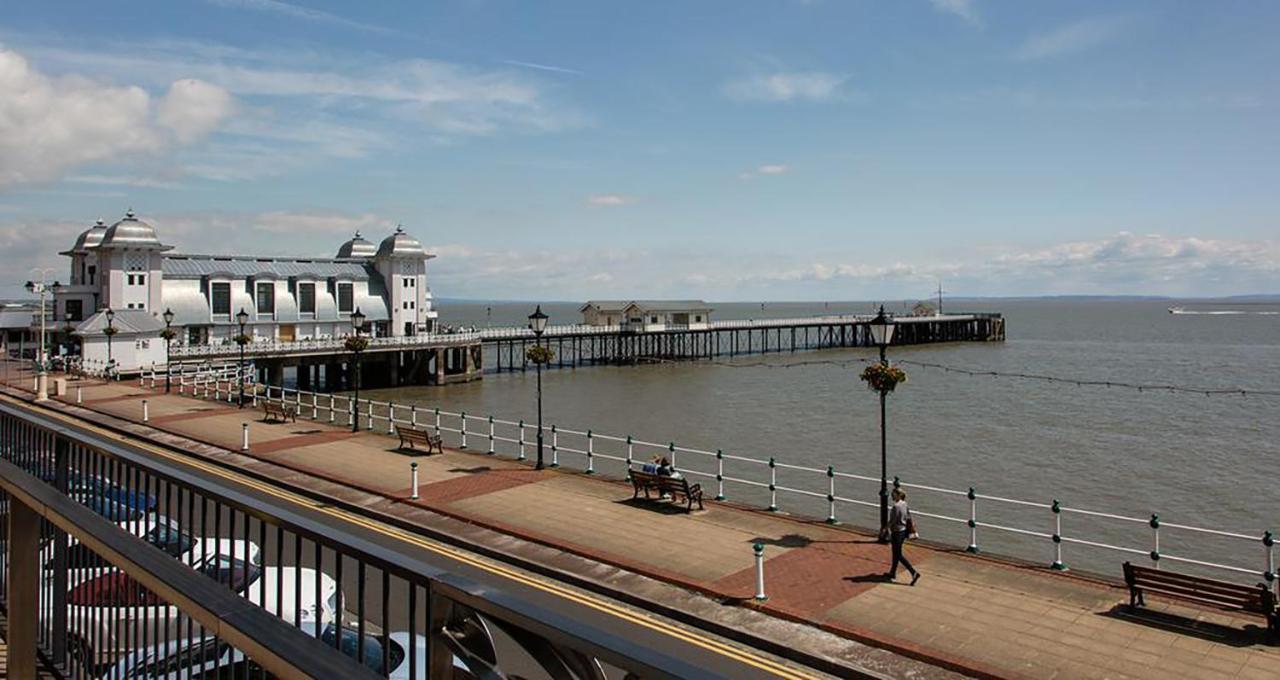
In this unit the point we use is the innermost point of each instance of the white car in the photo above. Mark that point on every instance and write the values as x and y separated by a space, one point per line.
106 613
209 659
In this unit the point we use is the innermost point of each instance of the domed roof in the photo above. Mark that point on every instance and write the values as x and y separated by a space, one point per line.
401 244
89 238
357 247
131 232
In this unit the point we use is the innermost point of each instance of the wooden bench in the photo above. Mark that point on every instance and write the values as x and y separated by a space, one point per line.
1202 591
409 436
677 487
276 411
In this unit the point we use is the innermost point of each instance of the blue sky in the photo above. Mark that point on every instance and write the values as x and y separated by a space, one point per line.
773 149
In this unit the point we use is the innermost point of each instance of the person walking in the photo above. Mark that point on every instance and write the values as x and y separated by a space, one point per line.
899 518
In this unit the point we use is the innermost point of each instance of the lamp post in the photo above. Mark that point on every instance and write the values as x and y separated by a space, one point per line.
538 324
357 344
882 333
42 362
110 332
168 337
242 317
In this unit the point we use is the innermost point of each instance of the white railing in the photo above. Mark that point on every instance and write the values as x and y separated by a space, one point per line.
1019 524
267 348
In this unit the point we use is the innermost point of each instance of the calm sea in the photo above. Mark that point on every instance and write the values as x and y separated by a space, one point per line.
1208 461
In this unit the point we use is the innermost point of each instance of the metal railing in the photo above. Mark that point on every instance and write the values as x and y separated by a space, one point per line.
1037 530
402 605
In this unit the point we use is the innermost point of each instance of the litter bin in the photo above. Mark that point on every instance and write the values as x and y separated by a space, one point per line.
60 387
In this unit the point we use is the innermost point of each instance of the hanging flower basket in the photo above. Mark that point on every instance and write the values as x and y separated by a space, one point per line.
168 334
110 331
883 378
356 343
539 354
242 339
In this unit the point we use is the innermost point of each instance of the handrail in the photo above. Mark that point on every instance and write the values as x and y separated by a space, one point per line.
284 650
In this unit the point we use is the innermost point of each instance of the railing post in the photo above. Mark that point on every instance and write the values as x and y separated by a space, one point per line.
22 601
332 408
391 417
413 473
369 426
244 436
1057 537
555 447
1269 542
1155 540
463 429
973 521
831 494
591 454
773 485
521 456
490 435
719 474
630 456
437 422
61 479
758 549
315 406
413 416
671 454
146 413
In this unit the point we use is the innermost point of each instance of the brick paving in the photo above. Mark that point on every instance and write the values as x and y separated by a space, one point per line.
975 614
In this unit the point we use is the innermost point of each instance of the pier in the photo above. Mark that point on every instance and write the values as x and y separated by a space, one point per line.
444 358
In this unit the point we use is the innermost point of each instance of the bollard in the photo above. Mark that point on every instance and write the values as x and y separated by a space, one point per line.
1057 537
244 436
145 412
759 551
79 395
413 473
973 521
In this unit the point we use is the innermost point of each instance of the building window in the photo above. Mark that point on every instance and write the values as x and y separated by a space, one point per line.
307 298
142 279
131 279
220 295
411 305
653 319
267 298
404 305
345 298
75 310
92 272
697 318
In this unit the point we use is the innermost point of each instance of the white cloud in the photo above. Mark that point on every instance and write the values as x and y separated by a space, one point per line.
610 200
767 169
962 8
1073 37
49 125
784 86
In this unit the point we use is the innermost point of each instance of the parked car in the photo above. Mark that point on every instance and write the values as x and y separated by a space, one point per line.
215 659
106 612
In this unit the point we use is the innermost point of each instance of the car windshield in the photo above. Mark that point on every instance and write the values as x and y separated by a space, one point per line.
372 648
229 571
169 539
113 511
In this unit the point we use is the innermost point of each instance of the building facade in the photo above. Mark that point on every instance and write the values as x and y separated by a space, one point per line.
647 315
127 269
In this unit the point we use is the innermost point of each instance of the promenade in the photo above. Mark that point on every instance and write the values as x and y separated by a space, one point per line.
973 614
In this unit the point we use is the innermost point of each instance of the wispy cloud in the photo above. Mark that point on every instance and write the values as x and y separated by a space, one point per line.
304 13
540 67
767 169
1076 36
961 8
785 86
610 200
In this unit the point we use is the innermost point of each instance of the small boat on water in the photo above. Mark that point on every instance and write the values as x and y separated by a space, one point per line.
1176 310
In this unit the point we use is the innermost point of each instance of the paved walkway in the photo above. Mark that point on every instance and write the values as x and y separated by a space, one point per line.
970 613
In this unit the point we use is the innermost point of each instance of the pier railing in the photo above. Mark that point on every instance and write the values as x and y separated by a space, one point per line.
1048 531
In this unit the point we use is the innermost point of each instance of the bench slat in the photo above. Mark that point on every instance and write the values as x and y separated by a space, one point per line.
1155 577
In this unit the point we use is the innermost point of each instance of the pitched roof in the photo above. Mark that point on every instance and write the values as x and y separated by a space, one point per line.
671 305
199 266
606 305
125 321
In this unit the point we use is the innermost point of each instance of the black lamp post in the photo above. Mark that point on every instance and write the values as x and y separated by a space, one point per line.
357 323
882 333
242 317
110 331
168 337
538 323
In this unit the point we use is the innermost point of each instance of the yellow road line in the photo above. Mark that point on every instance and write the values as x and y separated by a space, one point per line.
452 553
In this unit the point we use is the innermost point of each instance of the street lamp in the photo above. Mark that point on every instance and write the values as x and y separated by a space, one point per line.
110 332
538 324
42 373
242 317
168 337
357 344
882 334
